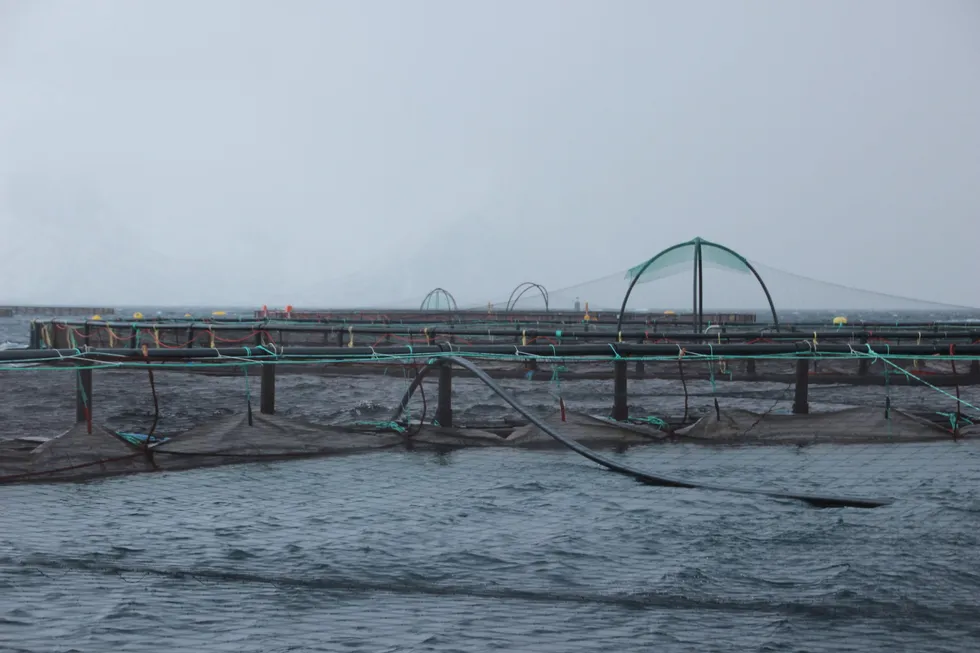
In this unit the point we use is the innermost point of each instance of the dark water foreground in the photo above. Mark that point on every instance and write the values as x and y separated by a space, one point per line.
482 550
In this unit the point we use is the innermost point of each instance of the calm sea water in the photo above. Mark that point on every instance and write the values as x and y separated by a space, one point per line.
484 550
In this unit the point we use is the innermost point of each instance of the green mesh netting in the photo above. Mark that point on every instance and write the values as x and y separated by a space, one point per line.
681 259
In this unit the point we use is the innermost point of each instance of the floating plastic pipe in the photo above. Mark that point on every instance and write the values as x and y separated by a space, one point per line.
639 475
734 332
379 354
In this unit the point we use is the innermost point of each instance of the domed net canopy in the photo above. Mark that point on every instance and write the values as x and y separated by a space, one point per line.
523 288
439 299
695 253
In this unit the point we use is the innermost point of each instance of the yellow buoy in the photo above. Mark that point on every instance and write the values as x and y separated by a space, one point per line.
137 315
187 315
218 313
96 317
840 320
669 313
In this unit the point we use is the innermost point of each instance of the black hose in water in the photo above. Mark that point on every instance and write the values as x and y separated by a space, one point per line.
639 475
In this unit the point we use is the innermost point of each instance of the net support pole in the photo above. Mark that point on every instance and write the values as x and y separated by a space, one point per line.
267 390
83 395
444 409
267 402
620 411
698 256
801 404
83 385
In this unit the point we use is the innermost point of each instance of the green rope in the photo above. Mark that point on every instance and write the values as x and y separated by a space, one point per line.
383 426
652 419
954 419
923 381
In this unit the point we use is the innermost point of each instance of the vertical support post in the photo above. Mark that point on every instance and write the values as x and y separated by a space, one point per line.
35 336
444 410
267 403
267 399
83 395
698 255
801 404
620 411
694 301
975 367
750 367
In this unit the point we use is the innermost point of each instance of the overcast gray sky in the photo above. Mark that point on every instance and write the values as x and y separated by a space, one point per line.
321 152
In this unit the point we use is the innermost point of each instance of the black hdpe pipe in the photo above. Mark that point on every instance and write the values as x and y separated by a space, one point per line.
639 475
543 352
594 332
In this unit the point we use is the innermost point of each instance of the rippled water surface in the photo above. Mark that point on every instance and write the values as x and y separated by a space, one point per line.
481 550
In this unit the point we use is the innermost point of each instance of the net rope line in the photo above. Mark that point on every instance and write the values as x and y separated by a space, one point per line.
244 362
558 362
855 453
852 453
273 356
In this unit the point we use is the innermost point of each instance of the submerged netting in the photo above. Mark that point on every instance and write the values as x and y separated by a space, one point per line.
189 417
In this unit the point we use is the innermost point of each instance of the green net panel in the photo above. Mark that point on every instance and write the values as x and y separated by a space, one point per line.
680 258
693 255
